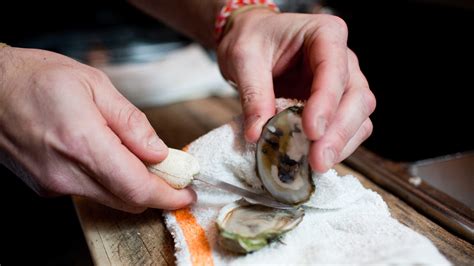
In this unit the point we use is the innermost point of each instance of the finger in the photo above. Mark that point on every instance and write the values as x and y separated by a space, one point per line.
328 60
355 107
87 187
129 123
361 135
92 144
69 178
126 176
253 75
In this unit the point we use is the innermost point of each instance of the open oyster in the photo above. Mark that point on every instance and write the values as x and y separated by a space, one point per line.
244 227
282 158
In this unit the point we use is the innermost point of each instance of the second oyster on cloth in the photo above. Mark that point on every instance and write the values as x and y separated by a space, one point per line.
245 227
282 158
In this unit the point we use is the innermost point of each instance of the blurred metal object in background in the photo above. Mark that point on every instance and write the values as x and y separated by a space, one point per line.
452 174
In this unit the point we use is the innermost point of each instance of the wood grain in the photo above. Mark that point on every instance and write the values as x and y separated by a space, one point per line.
120 238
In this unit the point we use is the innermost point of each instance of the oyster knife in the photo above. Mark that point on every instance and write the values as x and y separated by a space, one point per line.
249 195
179 169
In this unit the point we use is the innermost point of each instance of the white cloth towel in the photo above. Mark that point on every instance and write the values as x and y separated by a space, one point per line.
346 223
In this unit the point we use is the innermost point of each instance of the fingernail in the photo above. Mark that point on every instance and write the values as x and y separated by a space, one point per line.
321 126
193 195
329 157
251 122
156 144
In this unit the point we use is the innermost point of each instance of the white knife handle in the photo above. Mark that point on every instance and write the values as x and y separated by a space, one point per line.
178 169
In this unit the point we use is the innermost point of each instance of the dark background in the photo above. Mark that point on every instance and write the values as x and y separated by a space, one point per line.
417 55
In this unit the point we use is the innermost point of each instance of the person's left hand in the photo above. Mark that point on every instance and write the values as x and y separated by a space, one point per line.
300 56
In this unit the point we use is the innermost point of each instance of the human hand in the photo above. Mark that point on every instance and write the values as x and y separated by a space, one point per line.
301 56
66 130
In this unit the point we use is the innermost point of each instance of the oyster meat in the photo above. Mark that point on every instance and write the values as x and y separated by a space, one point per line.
282 158
245 227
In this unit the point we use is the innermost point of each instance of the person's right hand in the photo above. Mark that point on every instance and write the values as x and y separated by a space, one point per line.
65 129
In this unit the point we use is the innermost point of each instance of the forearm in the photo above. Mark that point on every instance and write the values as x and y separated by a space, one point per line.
195 18
5 58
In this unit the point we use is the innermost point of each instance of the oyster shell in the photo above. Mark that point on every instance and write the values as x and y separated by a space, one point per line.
282 158
245 227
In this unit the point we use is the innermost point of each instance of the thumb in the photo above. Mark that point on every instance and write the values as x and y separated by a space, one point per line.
255 84
130 125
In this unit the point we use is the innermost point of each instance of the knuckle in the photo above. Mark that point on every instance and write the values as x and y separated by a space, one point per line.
75 142
369 101
238 52
250 95
98 76
132 116
332 98
335 24
353 57
342 136
339 23
367 129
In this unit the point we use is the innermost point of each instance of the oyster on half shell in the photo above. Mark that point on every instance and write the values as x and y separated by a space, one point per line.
282 158
245 227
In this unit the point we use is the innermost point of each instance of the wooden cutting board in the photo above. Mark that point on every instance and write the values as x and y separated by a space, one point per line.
120 238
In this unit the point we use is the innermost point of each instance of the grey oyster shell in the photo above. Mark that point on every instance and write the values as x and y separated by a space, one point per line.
282 158
245 227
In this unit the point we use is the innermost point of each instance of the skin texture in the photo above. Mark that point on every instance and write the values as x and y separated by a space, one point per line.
302 56
306 57
65 130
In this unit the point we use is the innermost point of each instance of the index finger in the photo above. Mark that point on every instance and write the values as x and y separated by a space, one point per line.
127 177
102 156
327 51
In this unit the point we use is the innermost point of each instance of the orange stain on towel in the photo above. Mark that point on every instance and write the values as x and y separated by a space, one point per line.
195 237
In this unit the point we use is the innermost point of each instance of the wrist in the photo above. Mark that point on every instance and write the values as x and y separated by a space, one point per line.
246 14
237 8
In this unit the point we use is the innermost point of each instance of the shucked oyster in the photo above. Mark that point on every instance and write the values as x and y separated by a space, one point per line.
282 158
282 166
244 227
